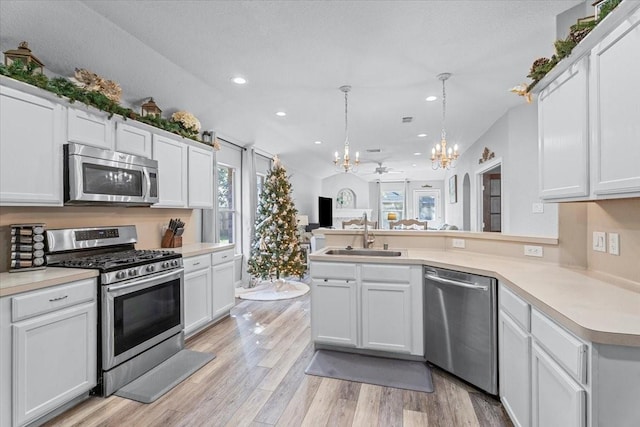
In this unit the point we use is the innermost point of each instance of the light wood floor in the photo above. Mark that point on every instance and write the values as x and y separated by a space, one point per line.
257 379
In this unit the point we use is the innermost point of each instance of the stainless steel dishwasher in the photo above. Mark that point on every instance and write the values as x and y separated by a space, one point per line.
461 325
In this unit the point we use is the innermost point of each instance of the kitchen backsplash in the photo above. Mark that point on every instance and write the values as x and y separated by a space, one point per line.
148 222
578 221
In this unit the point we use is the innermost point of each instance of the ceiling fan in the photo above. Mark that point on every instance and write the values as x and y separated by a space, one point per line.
381 170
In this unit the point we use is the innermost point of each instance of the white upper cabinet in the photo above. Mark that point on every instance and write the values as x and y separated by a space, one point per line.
200 178
90 128
564 134
32 135
615 110
589 115
172 172
133 140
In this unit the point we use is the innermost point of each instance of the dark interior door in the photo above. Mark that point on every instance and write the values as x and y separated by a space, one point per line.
491 202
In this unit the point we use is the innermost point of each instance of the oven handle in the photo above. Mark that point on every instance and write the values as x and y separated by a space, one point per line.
137 283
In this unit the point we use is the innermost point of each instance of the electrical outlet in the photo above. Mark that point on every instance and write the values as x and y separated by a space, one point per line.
457 243
600 241
614 243
537 208
533 251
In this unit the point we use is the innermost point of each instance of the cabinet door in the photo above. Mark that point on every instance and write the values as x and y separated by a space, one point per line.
557 399
130 139
615 110
197 300
200 178
32 135
90 128
563 135
334 312
515 370
172 172
223 289
54 360
386 317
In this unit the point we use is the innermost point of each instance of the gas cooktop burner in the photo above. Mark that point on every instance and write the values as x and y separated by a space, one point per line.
117 260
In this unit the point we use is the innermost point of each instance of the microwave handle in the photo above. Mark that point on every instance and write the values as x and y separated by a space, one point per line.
147 181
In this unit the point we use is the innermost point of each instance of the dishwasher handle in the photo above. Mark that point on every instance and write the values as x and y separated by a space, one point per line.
468 285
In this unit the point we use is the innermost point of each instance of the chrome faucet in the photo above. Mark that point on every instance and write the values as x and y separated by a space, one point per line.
367 241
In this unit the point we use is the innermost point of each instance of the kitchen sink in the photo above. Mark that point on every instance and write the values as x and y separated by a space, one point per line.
363 252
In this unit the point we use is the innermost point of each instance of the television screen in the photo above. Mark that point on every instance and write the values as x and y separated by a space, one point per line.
325 211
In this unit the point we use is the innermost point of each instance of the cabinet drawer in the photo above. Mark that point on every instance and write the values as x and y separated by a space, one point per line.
566 349
386 273
56 298
196 263
516 307
222 256
333 270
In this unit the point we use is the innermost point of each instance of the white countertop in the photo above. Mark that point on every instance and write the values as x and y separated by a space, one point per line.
23 281
194 249
598 309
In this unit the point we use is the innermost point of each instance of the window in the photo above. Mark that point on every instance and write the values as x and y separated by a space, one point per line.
226 203
391 204
426 205
260 184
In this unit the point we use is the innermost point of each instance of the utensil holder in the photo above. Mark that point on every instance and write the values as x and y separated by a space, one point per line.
170 240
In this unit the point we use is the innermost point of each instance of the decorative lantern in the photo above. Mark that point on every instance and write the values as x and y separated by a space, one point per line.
208 136
23 54
150 108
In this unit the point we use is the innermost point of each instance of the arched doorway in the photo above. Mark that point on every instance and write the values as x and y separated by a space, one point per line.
466 203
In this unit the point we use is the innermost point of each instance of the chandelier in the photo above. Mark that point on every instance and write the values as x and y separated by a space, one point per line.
441 156
346 164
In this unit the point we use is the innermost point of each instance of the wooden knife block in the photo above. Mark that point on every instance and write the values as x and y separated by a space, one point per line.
169 240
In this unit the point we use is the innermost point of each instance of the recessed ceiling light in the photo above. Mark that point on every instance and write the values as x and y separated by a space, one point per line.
422 135
317 142
239 80
431 98
416 154
414 165
281 114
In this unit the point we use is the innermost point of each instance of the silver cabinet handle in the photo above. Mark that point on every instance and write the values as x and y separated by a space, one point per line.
196 263
225 257
467 285
58 299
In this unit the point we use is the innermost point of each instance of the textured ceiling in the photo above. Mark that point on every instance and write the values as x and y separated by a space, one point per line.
295 55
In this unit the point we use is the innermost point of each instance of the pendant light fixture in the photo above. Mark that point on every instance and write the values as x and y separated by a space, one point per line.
346 164
441 156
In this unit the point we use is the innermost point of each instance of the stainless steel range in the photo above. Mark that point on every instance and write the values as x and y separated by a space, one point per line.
141 299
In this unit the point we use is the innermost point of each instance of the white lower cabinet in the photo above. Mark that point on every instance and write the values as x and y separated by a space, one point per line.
386 316
334 311
557 399
209 289
224 297
368 306
49 351
515 370
197 300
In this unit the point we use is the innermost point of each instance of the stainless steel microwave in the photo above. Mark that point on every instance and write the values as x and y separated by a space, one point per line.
95 176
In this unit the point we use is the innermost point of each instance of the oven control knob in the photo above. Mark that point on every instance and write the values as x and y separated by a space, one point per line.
151 268
165 264
174 263
133 272
121 274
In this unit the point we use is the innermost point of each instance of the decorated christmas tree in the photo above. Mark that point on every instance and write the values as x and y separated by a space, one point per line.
275 249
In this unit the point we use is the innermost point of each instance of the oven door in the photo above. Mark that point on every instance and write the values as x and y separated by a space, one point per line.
93 180
138 314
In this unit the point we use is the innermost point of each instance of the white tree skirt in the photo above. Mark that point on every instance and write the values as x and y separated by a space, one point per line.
271 291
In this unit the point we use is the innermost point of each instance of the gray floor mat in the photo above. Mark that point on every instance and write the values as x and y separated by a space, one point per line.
165 376
404 374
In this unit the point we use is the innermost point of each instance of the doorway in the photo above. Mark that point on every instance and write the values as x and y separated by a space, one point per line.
492 200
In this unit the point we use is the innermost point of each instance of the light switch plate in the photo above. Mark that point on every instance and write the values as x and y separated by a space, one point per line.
537 208
533 251
600 241
614 243
457 243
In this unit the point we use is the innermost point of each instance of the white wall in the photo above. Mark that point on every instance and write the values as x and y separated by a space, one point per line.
335 183
305 190
514 140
